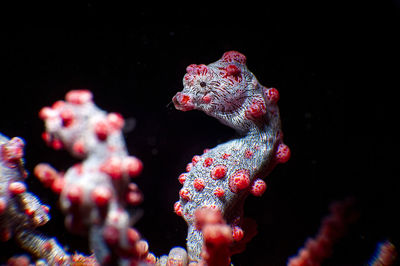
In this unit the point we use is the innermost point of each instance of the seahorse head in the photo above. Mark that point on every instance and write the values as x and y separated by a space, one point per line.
225 89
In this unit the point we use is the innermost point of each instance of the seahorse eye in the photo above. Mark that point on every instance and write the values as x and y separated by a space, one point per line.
203 84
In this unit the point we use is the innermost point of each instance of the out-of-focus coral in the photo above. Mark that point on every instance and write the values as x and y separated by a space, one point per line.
96 195
333 227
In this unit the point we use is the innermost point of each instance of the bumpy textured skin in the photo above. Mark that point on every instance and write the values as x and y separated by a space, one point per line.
20 211
222 177
96 194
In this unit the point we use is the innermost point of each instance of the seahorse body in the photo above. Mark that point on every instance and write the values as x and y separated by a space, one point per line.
223 176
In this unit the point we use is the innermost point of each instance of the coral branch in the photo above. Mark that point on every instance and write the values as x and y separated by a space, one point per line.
96 195
217 237
333 227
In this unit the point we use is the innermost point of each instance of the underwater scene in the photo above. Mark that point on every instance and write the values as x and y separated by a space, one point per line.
254 135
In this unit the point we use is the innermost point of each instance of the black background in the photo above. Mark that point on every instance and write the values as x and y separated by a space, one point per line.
335 66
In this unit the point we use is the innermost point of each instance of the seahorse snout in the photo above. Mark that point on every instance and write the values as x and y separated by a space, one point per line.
183 102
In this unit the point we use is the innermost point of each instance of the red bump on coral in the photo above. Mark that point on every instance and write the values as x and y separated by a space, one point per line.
132 166
101 129
258 187
234 56
282 153
239 180
13 151
219 192
219 171
178 208
185 194
112 167
255 110
271 95
182 178
199 184
232 70
78 96
208 161
17 188
237 233
75 194
101 195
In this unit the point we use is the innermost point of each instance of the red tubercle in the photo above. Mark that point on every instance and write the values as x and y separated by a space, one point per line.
112 167
78 96
29 211
58 185
178 208
219 192
101 129
182 178
232 70
184 99
13 151
195 159
67 117
150 259
234 56
185 194
208 162
271 95
45 208
239 180
248 154
101 195
47 246
225 156
189 167
45 173
237 233
58 104
75 194
206 150
190 68
194 69
79 148
60 260
183 102
255 110
219 171
206 98
115 120
132 235
132 166
56 144
134 196
111 235
258 187
199 184
283 153
46 137
46 113
17 188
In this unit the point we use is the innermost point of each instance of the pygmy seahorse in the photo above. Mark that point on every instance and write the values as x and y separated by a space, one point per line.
222 177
